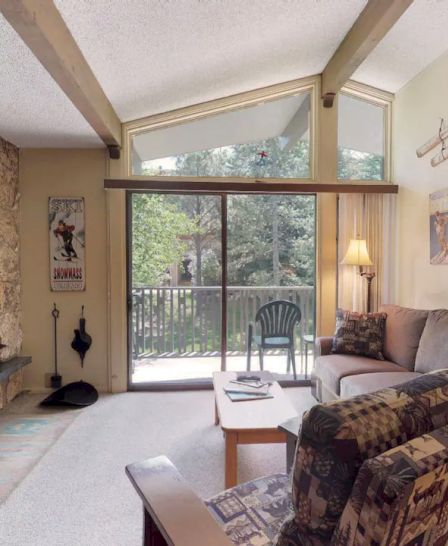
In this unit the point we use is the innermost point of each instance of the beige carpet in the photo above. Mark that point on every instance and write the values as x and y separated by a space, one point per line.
78 494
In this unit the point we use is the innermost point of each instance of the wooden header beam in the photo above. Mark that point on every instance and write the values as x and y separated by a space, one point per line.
42 28
374 22
237 186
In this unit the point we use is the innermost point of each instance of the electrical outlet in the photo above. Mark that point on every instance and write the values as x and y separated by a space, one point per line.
48 380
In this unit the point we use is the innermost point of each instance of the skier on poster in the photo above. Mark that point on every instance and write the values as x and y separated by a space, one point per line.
65 232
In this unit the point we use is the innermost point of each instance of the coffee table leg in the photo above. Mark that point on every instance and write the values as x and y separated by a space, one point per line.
231 460
216 414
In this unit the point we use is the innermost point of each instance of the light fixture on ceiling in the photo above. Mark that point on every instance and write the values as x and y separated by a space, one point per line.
358 255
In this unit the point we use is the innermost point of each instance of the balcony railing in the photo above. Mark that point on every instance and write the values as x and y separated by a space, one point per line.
187 320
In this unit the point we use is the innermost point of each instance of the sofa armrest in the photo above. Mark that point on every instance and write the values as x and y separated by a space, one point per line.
323 346
174 514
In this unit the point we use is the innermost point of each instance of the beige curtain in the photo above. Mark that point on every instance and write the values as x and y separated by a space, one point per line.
370 217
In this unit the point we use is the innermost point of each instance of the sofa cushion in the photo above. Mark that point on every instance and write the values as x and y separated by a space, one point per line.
432 352
336 438
359 334
353 385
252 513
403 331
332 368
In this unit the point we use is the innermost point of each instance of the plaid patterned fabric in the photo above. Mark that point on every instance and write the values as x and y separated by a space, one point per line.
359 334
400 498
336 438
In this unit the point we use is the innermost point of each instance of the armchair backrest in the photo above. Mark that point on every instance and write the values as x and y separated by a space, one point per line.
400 497
336 438
278 318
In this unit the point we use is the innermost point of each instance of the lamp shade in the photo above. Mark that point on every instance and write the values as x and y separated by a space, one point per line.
357 253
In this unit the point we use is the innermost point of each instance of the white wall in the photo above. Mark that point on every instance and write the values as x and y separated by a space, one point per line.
417 112
69 173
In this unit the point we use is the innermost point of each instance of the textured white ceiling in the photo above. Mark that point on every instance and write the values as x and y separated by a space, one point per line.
418 38
154 56
34 112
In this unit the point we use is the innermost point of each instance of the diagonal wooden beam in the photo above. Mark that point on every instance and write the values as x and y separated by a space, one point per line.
374 22
42 28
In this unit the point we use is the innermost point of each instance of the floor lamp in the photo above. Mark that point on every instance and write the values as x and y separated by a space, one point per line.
357 255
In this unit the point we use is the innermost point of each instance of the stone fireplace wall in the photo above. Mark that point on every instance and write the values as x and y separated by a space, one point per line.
10 301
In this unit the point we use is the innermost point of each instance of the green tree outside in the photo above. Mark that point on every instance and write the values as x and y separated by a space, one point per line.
159 230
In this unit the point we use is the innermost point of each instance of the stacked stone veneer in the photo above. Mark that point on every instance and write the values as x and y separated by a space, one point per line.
10 306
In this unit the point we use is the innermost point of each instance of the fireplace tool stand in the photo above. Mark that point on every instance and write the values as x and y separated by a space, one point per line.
56 379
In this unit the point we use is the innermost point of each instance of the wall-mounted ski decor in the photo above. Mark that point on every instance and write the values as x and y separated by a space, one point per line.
67 243
439 139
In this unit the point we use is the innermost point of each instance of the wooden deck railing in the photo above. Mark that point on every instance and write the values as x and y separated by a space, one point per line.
183 320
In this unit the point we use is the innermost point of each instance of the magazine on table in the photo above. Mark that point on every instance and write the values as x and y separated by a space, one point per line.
244 397
248 386
261 390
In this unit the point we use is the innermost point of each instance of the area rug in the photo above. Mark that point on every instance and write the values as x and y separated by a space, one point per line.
24 439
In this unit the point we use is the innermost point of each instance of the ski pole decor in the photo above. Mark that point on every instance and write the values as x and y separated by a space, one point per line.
67 243
438 139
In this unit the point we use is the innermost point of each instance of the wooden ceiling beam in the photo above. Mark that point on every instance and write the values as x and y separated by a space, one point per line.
374 22
42 28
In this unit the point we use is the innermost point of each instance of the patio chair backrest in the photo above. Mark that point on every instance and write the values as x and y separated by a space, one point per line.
278 318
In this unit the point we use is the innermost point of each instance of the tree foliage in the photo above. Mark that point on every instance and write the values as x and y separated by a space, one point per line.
354 165
270 231
159 229
270 238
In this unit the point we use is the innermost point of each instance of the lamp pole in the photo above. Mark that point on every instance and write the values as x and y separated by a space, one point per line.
369 277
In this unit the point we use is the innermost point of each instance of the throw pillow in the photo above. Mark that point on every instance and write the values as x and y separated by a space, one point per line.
402 335
432 352
359 334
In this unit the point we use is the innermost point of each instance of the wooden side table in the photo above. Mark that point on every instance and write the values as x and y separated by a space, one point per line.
291 429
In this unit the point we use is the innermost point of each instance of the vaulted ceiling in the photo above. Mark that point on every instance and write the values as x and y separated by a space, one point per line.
154 56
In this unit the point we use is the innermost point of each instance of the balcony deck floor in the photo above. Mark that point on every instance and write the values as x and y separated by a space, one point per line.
175 368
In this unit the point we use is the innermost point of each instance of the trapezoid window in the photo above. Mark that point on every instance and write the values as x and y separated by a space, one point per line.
268 140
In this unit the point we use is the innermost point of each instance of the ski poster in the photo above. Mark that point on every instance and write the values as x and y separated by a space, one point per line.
67 243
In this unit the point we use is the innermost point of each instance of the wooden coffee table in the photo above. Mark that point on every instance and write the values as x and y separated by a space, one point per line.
249 422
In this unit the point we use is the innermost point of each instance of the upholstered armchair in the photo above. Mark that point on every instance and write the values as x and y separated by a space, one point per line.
369 471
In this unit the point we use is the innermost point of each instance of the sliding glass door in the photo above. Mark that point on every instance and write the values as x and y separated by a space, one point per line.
270 256
187 252
174 286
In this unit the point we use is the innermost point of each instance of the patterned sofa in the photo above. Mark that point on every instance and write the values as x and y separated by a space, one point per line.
369 471
415 342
